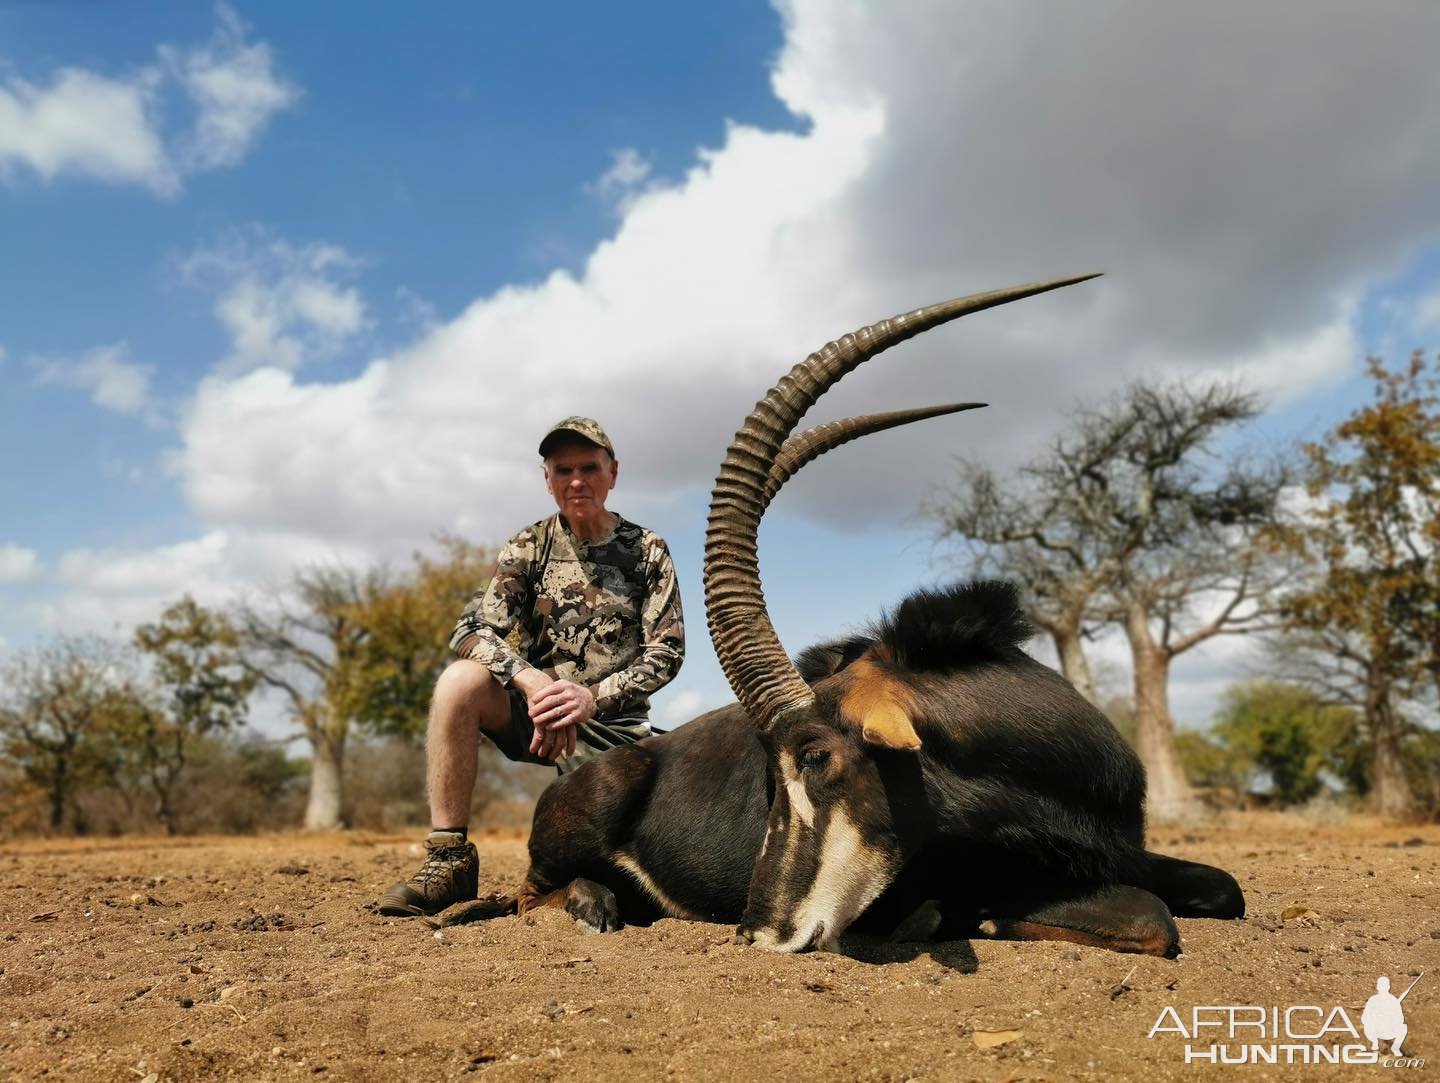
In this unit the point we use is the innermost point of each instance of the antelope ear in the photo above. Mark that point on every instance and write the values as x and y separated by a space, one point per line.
880 705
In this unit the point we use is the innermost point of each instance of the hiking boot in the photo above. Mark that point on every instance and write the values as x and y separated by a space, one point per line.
451 874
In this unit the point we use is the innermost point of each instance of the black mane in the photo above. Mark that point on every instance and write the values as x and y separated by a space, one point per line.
933 629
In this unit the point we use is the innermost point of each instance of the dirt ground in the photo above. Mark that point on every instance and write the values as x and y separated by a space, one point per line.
153 960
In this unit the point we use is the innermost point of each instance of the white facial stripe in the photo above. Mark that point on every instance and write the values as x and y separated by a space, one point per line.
849 877
654 890
795 789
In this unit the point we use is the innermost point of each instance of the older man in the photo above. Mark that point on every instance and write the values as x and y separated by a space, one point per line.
557 658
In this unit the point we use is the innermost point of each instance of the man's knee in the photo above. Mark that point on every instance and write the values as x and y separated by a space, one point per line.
466 688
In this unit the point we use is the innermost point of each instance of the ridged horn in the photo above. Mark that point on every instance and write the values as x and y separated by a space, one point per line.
804 448
755 664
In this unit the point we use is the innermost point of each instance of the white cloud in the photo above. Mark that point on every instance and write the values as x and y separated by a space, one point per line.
83 123
1160 143
282 304
1294 365
1427 313
682 706
129 586
235 91
18 564
619 184
1241 179
112 382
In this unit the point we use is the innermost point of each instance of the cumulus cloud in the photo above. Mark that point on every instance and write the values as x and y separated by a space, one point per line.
283 304
18 564
111 590
1242 179
1243 174
114 128
111 381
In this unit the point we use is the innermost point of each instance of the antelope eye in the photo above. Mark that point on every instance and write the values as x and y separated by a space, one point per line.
813 757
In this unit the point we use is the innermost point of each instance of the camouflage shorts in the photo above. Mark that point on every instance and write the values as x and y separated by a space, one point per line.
591 738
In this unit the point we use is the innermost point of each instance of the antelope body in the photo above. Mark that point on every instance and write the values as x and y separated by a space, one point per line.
928 777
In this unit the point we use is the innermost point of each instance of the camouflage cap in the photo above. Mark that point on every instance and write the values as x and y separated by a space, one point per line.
586 428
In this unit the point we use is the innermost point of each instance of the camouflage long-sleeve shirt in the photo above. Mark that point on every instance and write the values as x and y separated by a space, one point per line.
605 614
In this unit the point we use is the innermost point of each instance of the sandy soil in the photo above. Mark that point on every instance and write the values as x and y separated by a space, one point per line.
259 959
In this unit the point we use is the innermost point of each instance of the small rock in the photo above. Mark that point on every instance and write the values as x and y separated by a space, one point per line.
293 870
1072 955
989 1039
1301 914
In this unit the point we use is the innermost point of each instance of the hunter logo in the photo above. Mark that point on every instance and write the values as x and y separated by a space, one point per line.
1299 1034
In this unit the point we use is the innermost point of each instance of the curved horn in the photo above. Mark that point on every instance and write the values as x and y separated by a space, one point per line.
804 448
755 664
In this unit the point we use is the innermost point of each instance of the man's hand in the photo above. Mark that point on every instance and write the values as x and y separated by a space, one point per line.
556 710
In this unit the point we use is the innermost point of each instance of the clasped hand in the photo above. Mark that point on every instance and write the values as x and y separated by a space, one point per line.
556 710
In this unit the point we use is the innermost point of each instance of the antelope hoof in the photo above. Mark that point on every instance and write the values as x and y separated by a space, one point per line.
919 926
593 906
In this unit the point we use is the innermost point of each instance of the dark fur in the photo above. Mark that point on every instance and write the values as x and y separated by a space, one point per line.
933 630
1022 799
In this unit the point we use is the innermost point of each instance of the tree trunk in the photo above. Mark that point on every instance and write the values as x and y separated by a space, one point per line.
322 811
1167 792
1073 665
57 797
165 812
1390 793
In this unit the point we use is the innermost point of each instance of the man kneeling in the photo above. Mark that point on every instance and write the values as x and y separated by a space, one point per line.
590 603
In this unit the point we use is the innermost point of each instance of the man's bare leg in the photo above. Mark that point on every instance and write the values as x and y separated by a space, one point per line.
467 699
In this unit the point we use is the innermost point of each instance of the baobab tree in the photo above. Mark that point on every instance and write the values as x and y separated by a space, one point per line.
1130 518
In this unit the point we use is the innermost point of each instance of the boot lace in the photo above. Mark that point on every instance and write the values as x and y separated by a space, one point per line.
439 866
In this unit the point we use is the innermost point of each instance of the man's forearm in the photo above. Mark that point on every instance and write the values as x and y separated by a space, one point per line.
532 680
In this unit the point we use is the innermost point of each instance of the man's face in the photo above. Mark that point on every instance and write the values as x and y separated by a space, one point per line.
580 477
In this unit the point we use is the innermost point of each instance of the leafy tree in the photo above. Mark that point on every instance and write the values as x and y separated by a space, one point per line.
58 718
1366 629
1213 766
202 687
360 648
1129 518
408 623
1288 732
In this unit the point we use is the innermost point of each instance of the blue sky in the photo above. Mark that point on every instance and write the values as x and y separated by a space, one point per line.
285 283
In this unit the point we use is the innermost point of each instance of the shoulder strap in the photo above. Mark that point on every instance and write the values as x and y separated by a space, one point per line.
545 537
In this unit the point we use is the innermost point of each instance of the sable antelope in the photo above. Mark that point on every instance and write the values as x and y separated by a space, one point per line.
928 776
